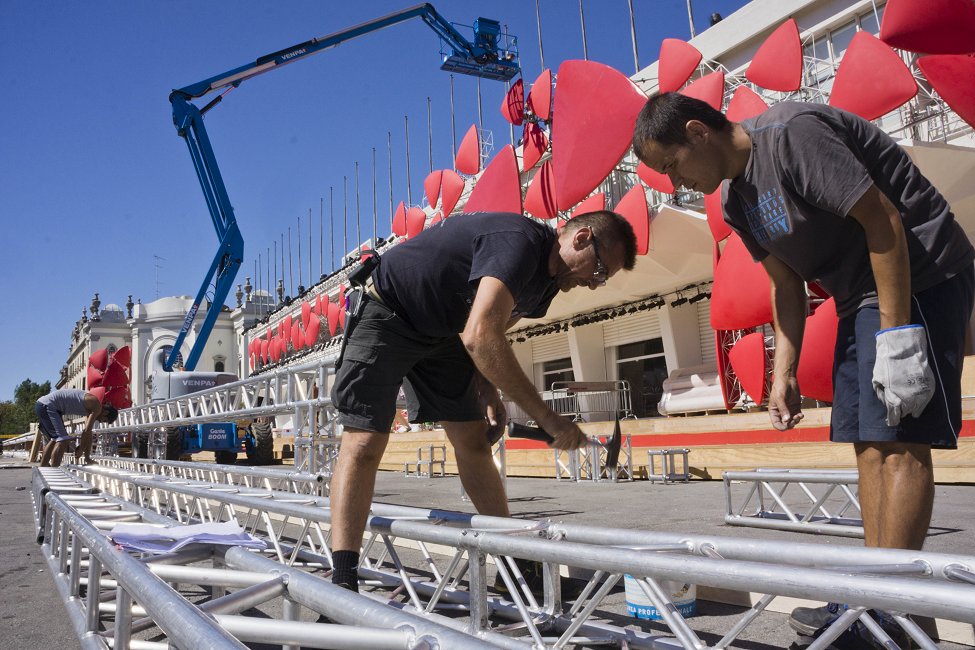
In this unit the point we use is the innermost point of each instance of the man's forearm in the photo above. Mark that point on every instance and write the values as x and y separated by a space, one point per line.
496 361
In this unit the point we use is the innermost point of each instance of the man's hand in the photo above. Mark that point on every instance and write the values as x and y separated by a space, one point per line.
785 403
902 377
494 411
565 433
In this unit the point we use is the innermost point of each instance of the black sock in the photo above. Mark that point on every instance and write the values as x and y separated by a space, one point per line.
344 569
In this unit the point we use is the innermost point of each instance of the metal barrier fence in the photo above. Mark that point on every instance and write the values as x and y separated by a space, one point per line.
926 584
582 400
766 504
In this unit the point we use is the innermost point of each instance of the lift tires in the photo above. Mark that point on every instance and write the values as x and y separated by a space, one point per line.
260 450
140 444
174 442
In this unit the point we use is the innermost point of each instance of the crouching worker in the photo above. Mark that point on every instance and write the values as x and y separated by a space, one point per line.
50 411
433 320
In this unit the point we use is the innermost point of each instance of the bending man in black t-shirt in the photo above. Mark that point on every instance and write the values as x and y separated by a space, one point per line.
473 276
819 194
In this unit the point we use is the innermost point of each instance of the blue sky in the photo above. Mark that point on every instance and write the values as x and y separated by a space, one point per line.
94 181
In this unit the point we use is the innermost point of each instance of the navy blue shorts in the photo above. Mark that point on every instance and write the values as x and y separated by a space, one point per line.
383 351
859 415
48 428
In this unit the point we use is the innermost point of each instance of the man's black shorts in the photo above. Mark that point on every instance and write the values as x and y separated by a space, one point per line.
383 351
859 415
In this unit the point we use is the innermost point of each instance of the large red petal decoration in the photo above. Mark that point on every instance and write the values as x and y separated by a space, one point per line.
540 97
740 298
469 153
777 65
872 79
123 356
540 197
342 315
952 75
499 187
745 103
297 336
513 106
269 333
678 60
750 363
656 180
633 207
305 313
311 332
712 207
333 318
95 377
437 218
99 359
415 218
286 328
265 344
318 305
815 372
453 187
120 397
99 392
533 145
597 112
399 220
594 203
931 26
709 89
431 186
115 375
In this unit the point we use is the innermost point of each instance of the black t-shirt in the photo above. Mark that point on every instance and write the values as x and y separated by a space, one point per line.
431 279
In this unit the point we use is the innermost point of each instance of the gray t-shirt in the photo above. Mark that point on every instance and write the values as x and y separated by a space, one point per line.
67 401
810 164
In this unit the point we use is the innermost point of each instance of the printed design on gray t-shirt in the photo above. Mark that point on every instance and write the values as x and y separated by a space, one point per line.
768 220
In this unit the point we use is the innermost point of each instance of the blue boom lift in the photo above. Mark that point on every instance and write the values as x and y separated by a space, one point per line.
485 57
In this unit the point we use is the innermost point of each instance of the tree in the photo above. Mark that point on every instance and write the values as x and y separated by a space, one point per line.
16 416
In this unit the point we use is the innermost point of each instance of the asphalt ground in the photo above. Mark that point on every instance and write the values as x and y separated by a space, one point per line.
32 615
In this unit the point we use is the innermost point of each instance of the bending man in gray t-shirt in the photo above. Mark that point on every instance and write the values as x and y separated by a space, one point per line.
50 411
818 194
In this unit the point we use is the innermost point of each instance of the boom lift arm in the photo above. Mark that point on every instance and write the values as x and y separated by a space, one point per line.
482 58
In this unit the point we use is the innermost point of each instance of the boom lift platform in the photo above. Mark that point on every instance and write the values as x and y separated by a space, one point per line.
490 56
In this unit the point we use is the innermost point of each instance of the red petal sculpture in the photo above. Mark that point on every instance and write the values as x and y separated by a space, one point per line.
431 186
453 187
513 106
115 375
633 207
656 180
415 218
318 305
740 298
333 318
437 218
777 65
264 350
540 97
286 326
815 372
399 220
499 187
311 332
597 112
540 197
269 333
716 222
305 313
872 79
594 203
468 159
952 75
297 337
745 103
95 377
533 145
677 63
750 362
99 393
342 315
709 89
99 359
123 356
931 26
119 397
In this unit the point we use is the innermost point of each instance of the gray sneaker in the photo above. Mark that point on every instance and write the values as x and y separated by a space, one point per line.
810 620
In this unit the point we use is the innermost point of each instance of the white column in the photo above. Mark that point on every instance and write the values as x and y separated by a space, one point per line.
588 352
682 343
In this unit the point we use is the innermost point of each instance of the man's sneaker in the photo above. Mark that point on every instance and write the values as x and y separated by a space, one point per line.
810 620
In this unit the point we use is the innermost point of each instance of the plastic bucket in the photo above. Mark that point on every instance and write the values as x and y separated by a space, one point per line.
681 594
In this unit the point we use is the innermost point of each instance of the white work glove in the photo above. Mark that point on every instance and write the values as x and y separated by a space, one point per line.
902 377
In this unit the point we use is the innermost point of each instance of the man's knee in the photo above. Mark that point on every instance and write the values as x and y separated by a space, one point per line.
468 437
363 446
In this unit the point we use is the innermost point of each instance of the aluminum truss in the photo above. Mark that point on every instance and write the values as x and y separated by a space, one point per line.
397 556
828 496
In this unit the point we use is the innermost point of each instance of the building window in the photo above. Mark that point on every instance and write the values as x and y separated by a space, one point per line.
219 363
643 365
557 370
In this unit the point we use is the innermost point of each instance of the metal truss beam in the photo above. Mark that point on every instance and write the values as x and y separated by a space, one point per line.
397 555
